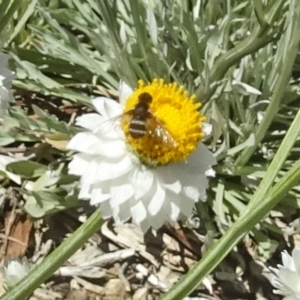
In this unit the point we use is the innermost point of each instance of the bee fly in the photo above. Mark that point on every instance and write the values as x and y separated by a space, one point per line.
140 113
141 122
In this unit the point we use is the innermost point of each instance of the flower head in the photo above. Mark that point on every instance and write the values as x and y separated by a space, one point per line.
14 270
142 159
6 77
174 120
287 279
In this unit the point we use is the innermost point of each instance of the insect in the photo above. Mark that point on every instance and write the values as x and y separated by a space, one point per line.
140 114
143 123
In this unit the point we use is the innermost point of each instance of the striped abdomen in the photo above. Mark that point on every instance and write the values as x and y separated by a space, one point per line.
140 113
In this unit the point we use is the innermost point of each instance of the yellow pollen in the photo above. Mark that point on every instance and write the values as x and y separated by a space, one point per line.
171 128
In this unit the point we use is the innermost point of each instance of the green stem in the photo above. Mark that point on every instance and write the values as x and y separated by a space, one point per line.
260 36
290 48
51 263
261 203
278 161
220 249
259 12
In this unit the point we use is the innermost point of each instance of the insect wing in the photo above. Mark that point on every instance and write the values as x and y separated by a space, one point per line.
113 123
156 130
126 117
107 125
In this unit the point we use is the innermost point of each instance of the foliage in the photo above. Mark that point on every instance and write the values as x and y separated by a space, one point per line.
66 52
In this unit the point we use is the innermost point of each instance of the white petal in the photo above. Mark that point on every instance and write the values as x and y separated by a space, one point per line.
106 210
157 201
274 270
287 261
200 161
158 220
290 279
99 170
79 165
168 177
124 92
175 211
197 164
120 194
194 187
192 193
1 80
291 297
110 130
210 173
85 192
186 206
171 208
144 225
115 169
125 210
108 108
92 173
296 258
97 196
141 180
124 188
89 143
89 121
175 187
138 212
176 206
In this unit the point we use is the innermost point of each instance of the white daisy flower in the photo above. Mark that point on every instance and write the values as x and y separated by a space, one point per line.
142 158
6 77
287 279
15 270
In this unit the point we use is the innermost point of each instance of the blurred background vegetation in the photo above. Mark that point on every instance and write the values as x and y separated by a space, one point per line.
229 53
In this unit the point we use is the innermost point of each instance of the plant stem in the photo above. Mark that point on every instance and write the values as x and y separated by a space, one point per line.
290 48
221 248
51 263
261 35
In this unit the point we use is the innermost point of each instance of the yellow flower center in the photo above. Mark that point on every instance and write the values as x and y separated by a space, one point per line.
162 123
